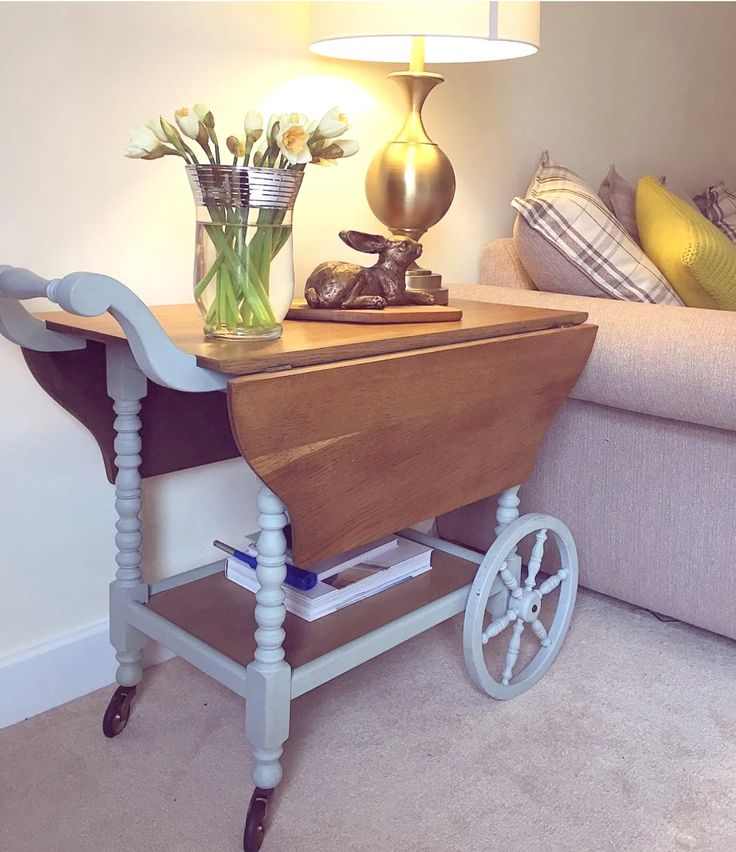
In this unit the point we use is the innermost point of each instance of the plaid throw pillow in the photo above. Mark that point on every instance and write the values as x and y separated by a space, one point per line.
719 206
570 216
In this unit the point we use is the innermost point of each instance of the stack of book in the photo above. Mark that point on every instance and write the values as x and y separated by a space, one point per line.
344 580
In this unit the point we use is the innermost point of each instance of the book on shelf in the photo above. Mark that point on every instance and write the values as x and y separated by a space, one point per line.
346 579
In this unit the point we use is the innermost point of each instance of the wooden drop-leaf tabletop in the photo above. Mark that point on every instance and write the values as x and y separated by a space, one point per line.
360 429
307 343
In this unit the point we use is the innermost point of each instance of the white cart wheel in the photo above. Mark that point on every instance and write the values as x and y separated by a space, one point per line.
518 601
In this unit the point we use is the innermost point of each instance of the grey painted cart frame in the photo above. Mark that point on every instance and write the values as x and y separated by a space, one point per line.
499 595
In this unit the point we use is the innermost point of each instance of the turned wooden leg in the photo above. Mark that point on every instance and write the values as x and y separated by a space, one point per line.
269 676
506 513
127 386
508 508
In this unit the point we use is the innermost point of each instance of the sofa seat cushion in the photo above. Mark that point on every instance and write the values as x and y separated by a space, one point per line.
697 259
561 209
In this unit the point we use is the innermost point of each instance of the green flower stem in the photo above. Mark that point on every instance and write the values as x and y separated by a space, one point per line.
201 285
264 246
209 320
260 298
264 260
237 272
222 282
251 279
246 314
242 268
230 303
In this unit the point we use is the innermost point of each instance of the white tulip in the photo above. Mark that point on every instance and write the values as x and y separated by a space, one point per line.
293 119
273 118
154 125
338 149
293 137
200 110
188 122
235 146
144 144
253 123
348 147
333 123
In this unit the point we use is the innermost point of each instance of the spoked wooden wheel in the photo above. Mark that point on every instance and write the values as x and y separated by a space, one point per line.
506 598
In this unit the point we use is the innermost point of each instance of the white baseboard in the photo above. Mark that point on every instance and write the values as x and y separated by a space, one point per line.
65 668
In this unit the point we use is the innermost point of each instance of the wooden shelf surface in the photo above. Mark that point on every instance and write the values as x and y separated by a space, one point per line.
306 343
221 613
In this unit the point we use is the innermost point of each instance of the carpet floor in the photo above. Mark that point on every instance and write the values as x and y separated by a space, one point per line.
627 744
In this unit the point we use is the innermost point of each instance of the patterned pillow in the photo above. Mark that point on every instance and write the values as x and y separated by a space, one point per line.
697 258
620 198
719 206
572 218
548 268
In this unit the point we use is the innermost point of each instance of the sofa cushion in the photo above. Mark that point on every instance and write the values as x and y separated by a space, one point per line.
620 198
547 266
567 213
697 259
718 205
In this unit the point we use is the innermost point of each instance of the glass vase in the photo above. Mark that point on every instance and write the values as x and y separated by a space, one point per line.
243 250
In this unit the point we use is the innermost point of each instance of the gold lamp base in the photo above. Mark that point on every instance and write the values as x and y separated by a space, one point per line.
410 183
420 278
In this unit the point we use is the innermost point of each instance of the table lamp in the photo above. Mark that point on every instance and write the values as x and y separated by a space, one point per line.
410 183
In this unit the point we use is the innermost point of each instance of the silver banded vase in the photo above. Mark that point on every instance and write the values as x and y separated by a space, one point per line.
243 250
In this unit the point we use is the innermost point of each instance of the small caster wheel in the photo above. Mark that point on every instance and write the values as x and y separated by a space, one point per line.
255 821
118 711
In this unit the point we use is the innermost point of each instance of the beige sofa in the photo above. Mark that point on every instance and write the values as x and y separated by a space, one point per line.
641 462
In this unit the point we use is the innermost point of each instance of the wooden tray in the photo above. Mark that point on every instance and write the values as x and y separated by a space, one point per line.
405 313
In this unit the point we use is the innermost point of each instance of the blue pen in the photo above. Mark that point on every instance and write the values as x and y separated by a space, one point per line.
298 578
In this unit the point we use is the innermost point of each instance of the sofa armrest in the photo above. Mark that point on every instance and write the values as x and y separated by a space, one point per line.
664 360
500 265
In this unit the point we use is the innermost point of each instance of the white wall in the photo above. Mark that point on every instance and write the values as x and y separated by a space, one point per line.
76 78
643 84
646 85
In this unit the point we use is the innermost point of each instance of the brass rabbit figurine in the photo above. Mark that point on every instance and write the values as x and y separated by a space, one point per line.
336 284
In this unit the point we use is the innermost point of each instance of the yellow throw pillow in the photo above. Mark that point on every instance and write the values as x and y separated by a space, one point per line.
694 256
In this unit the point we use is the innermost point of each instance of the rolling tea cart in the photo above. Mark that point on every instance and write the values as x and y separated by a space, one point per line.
356 431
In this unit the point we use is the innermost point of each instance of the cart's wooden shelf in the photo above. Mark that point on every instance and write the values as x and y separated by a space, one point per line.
221 613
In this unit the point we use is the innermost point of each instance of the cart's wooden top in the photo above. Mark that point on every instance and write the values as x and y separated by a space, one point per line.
306 343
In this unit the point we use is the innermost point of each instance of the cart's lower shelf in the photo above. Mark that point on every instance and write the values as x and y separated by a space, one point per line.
221 613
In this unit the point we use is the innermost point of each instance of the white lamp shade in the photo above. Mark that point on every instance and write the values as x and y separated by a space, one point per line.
453 31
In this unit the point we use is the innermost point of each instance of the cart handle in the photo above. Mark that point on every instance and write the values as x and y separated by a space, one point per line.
90 294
